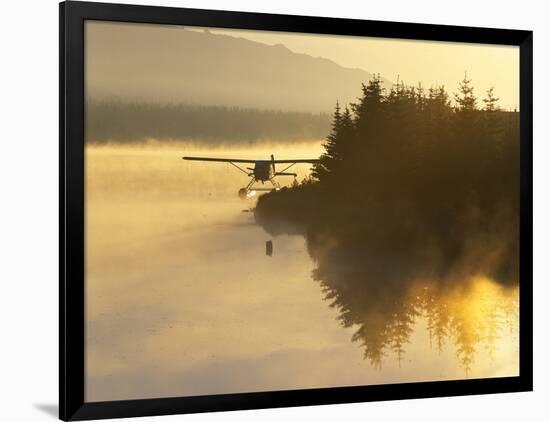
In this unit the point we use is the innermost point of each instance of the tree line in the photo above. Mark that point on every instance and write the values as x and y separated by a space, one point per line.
114 121
409 169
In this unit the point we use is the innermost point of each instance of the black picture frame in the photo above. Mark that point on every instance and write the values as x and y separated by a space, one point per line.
72 15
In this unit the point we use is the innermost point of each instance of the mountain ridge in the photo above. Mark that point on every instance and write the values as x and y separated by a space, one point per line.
170 64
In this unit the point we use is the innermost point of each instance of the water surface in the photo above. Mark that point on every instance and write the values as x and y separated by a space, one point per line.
181 298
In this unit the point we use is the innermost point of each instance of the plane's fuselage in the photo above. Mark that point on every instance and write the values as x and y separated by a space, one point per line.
263 171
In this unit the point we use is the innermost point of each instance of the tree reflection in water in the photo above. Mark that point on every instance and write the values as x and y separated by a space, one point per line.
469 314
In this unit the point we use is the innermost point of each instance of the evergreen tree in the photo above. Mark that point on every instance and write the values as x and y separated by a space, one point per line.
491 101
368 111
329 160
465 98
493 124
346 138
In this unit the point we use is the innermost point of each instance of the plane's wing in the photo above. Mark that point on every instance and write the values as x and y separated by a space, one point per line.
312 161
223 160
239 160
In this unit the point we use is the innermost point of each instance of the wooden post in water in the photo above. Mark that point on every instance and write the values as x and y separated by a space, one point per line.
269 248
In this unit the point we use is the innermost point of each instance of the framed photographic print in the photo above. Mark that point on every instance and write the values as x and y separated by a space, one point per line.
265 210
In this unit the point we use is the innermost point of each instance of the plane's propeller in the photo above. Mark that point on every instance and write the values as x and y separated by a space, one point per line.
273 163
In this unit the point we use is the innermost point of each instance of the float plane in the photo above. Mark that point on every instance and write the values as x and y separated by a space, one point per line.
263 171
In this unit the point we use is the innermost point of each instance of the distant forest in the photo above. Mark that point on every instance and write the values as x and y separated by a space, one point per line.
412 187
112 121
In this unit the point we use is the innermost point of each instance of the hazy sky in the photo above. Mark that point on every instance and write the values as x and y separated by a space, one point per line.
429 62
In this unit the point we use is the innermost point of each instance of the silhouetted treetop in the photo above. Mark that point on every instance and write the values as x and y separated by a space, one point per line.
465 98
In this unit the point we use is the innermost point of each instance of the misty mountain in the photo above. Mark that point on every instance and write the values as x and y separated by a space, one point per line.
172 64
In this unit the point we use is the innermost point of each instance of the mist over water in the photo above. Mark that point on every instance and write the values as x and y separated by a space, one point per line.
181 298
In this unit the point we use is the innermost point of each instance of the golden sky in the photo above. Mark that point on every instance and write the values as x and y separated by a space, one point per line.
429 62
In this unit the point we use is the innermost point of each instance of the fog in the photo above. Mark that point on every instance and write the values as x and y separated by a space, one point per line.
181 298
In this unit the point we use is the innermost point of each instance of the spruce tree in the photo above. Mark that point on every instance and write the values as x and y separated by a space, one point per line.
465 98
491 101
346 136
369 105
328 161
493 122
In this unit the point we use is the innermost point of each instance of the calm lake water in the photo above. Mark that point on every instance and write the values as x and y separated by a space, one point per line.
181 298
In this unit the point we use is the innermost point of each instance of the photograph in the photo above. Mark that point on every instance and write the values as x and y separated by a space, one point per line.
269 211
